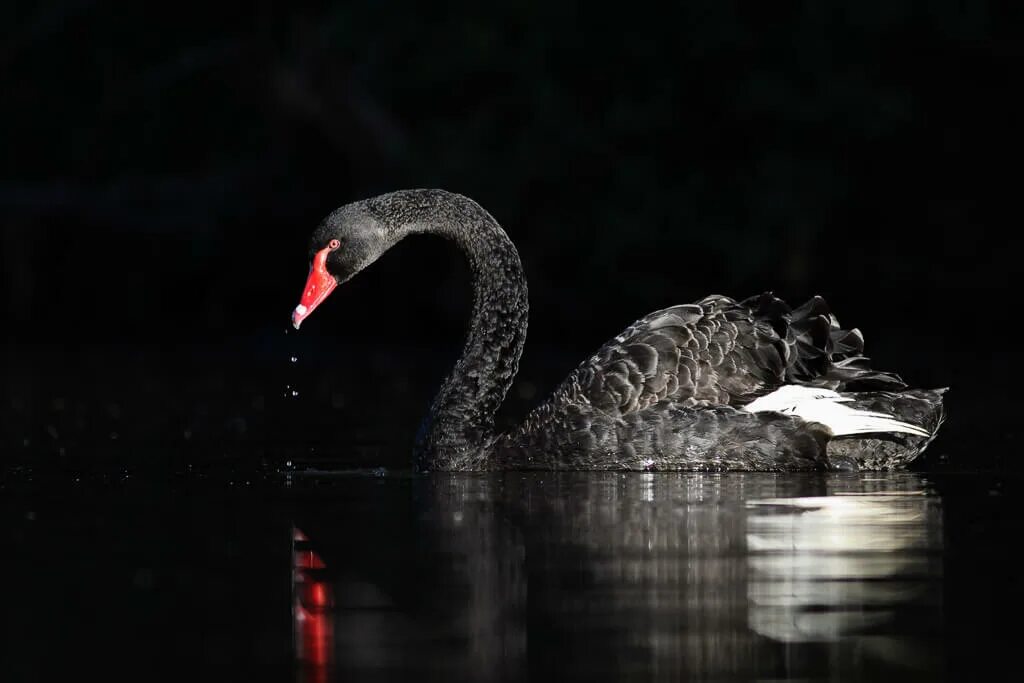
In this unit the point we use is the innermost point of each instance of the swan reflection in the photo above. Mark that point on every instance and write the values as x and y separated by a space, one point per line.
608 575
832 566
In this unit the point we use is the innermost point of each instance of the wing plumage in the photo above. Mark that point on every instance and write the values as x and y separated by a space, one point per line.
719 352
678 379
709 353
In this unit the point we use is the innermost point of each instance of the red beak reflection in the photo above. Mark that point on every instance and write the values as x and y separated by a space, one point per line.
311 611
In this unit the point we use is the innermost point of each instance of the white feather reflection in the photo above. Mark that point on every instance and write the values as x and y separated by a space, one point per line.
830 567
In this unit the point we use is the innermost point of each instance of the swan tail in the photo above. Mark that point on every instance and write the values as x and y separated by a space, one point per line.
900 424
922 407
819 352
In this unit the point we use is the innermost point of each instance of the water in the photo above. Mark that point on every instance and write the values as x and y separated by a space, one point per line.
380 575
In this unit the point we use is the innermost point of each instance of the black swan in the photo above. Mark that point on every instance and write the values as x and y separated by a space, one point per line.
714 385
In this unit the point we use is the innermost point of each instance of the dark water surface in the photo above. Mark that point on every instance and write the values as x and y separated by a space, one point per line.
388 576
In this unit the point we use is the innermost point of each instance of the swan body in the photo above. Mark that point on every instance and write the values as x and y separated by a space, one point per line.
718 384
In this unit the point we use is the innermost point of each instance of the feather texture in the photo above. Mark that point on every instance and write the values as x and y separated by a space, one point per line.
711 364
828 408
694 386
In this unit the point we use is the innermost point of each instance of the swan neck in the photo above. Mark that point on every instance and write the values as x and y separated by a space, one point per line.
459 428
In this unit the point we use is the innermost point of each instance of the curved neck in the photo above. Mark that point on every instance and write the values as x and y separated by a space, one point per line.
460 426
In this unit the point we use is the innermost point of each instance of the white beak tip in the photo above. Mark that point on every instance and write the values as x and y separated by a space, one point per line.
298 315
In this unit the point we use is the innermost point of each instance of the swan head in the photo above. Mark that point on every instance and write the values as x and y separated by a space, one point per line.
348 240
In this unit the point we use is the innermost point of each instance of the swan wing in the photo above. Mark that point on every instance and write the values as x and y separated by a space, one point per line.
719 352
714 352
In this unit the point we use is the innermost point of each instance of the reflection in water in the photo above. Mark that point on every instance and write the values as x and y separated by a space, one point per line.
829 567
311 611
662 575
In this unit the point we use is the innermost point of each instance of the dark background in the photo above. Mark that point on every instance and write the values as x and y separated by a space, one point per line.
162 170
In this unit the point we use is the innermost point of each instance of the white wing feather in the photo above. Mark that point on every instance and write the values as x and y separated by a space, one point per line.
826 407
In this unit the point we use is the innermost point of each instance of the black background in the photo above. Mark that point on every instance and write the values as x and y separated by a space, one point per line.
162 170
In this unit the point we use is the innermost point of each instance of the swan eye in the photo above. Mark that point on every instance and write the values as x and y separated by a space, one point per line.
333 244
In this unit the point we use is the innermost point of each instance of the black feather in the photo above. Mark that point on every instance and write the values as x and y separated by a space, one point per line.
667 393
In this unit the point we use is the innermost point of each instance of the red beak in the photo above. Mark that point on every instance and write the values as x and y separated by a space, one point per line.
318 286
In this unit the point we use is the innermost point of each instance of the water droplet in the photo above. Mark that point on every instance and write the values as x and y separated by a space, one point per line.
294 393
295 359
288 463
